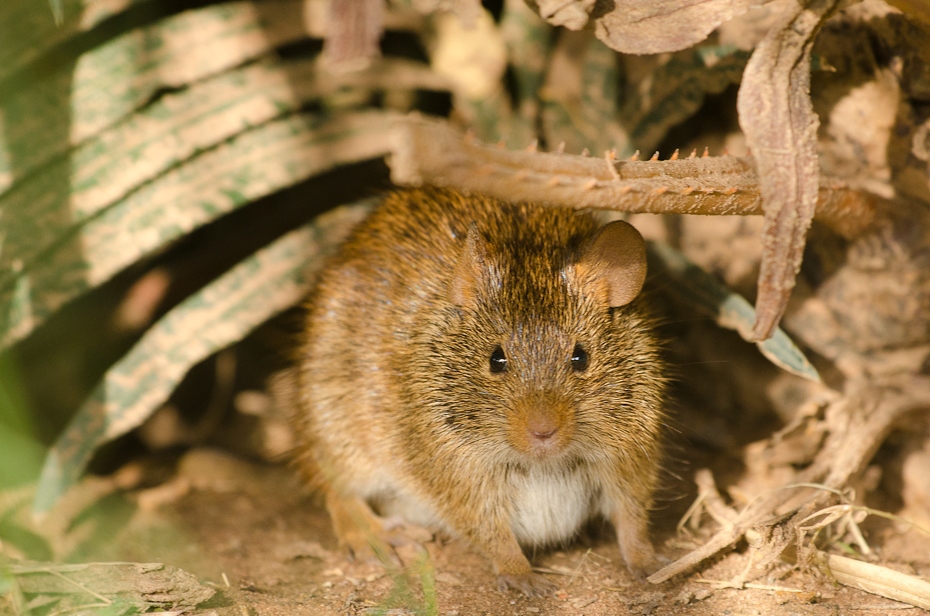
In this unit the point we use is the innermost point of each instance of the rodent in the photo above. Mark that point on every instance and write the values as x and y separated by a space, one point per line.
485 369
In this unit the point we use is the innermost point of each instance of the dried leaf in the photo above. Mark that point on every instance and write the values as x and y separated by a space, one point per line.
677 89
579 100
472 58
914 8
655 26
272 280
778 119
703 292
148 584
573 15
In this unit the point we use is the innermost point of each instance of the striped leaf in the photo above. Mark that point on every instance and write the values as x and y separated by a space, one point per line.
730 310
220 314
43 119
63 259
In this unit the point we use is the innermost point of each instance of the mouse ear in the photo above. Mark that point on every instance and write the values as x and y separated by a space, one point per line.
469 270
620 250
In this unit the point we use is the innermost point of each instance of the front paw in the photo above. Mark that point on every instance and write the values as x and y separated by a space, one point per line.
530 584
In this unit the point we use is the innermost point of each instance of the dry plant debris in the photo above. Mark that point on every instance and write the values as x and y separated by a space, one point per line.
140 585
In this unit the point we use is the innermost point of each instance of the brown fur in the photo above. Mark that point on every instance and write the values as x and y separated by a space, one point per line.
399 404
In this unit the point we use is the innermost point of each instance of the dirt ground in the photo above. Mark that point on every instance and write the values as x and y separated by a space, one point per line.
255 535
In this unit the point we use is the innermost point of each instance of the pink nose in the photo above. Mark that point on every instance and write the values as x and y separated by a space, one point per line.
543 434
542 426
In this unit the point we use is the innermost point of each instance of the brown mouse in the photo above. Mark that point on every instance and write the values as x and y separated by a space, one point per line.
484 369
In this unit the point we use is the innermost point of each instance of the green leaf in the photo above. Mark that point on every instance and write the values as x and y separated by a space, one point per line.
20 451
31 545
702 290
58 11
221 313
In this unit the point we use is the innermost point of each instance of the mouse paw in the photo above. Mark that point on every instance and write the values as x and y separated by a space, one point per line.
361 532
371 548
530 584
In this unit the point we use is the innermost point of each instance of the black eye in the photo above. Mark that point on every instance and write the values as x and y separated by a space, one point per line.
579 359
498 360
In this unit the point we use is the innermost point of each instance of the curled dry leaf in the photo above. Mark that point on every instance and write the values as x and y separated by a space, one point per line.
776 114
573 14
655 26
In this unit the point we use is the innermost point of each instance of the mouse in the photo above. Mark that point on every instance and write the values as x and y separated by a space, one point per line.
487 370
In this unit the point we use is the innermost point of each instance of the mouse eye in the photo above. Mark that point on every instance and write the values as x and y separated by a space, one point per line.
579 359
498 360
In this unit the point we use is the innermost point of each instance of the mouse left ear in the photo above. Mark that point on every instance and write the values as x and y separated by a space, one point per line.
619 252
469 270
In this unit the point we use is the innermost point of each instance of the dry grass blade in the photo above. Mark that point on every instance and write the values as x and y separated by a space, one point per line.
730 310
777 116
636 27
355 27
111 235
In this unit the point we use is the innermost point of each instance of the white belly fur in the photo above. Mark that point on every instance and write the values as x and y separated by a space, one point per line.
551 507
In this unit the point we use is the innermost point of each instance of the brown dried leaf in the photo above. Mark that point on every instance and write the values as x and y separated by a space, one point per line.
776 114
654 26
574 15
150 584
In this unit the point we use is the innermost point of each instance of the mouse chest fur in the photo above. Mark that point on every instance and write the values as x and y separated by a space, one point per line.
551 505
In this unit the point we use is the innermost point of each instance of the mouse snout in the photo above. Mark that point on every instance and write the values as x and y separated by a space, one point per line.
540 425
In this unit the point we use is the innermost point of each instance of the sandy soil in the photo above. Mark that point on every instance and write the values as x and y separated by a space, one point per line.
254 533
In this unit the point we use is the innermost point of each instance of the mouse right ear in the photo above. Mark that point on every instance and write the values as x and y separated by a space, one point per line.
620 250
469 270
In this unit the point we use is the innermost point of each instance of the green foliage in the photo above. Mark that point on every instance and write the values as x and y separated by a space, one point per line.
414 590
20 452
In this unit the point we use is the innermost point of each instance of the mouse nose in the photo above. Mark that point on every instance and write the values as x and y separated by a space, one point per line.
543 434
542 426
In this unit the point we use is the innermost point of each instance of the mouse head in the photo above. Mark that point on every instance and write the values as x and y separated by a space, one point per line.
544 300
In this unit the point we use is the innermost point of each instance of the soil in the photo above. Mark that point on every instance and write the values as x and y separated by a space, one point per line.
253 533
